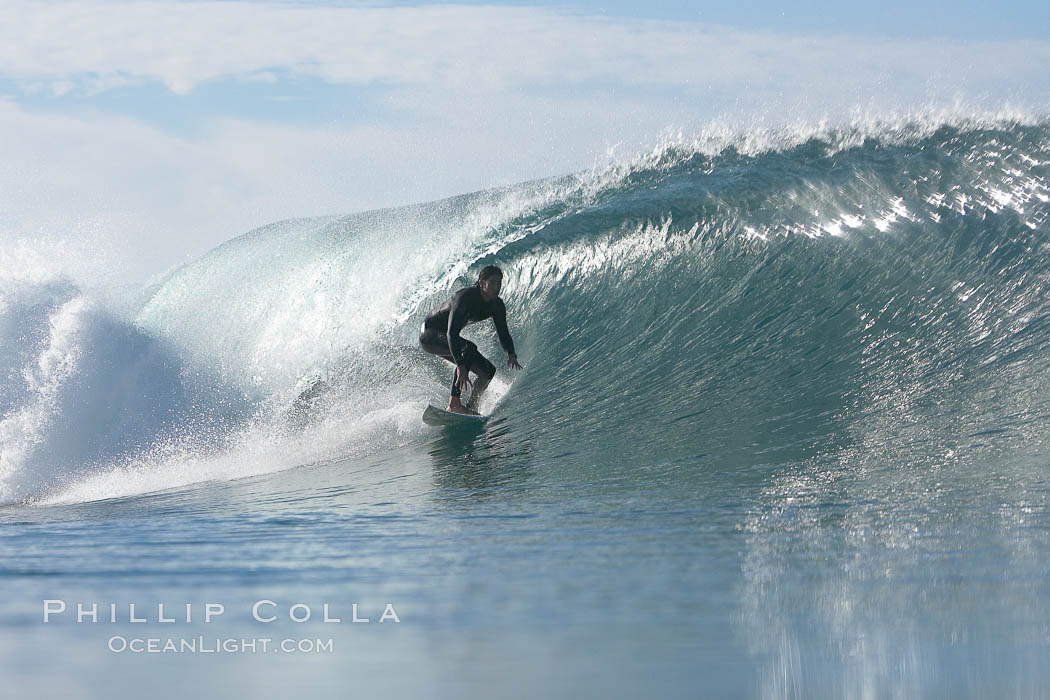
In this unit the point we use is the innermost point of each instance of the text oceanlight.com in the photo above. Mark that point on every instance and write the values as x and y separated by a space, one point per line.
215 645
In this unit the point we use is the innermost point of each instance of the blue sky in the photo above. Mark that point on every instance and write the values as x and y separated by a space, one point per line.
966 19
138 134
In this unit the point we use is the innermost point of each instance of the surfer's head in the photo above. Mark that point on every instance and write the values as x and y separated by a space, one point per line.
490 281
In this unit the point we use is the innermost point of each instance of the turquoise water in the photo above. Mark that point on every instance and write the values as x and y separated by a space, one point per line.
781 432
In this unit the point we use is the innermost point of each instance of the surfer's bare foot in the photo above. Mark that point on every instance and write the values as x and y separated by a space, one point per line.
455 406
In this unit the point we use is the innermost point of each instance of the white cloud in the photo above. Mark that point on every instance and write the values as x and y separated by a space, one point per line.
475 47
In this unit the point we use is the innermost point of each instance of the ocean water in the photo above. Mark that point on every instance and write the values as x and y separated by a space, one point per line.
782 432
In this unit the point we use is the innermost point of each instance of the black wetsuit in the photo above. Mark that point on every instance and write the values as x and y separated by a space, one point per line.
440 332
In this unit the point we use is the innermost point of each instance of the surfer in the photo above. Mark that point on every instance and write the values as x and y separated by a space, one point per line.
440 336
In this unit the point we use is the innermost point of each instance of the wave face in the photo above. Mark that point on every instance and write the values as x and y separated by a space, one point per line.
764 299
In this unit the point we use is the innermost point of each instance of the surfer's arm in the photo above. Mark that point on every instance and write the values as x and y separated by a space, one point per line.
457 319
499 319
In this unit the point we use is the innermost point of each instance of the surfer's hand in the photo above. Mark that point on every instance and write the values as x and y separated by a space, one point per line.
512 362
462 378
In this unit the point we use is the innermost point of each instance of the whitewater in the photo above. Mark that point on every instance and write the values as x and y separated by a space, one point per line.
782 430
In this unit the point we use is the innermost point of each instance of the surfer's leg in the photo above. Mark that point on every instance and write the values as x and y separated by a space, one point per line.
469 350
485 371
470 359
455 383
436 343
455 403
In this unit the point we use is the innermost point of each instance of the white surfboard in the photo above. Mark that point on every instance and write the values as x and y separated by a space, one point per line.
432 415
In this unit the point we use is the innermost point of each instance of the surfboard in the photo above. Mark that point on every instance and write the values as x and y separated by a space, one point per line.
432 415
